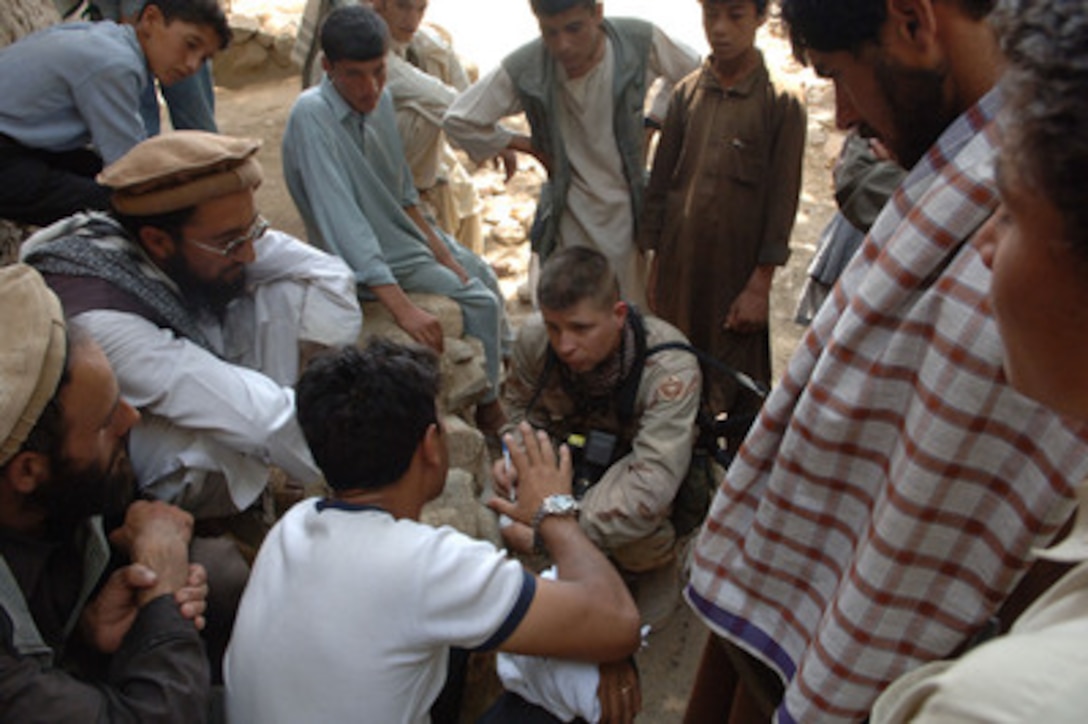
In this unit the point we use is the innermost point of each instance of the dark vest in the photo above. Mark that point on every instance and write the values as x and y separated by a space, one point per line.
533 73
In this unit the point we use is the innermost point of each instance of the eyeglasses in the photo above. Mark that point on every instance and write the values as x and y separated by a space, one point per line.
256 231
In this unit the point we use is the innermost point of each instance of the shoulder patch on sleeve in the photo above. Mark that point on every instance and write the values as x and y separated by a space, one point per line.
670 388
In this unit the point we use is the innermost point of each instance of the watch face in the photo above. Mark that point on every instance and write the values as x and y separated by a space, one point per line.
552 505
561 504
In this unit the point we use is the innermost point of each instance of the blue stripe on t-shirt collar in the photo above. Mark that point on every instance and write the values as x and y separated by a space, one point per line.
335 504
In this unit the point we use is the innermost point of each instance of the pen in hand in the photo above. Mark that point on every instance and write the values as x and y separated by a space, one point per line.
512 494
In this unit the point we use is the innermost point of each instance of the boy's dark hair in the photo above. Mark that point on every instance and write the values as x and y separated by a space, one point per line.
197 12
832 25
576 273
547 8
354 32
1047 90
761 5
365 413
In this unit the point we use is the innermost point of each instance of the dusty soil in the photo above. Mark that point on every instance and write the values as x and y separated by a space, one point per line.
260 109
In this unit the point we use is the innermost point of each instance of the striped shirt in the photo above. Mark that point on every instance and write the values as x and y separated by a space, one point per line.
887 500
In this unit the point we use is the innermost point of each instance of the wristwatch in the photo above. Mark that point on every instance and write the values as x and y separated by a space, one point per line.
552 505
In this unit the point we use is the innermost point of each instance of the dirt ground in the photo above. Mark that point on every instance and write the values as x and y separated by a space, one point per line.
260 109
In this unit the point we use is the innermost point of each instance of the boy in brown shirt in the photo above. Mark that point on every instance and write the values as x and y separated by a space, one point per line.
722 197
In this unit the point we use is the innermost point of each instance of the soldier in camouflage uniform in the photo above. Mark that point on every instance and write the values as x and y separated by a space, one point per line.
580 369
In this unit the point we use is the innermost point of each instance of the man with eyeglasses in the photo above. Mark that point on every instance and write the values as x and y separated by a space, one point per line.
206 315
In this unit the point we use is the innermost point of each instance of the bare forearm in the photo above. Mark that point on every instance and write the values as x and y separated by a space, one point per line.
168 557
761 279
156 535
604 626
421 325
520 143
577 559
393 298
524 144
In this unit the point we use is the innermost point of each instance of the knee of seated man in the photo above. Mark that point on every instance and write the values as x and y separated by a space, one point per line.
479 296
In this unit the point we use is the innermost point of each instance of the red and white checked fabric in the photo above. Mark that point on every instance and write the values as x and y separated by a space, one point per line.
888 497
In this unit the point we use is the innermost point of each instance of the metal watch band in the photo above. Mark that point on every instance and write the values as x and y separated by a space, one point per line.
551 505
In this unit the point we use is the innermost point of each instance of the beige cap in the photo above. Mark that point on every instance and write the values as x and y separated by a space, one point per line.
180 169
32 352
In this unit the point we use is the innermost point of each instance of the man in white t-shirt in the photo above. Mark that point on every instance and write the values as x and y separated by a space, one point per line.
353 604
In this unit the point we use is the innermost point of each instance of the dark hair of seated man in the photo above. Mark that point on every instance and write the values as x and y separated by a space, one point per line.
364 413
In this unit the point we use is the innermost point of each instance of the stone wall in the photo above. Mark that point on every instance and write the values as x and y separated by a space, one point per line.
260 50
21 17
463 384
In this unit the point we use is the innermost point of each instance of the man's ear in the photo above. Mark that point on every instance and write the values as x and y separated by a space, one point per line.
151 15
326 65
429 446
619 312
912 26
25 472
158 244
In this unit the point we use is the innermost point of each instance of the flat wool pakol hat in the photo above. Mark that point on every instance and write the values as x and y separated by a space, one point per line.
180 169
32 353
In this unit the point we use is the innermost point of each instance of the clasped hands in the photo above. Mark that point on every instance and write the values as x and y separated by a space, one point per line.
156 537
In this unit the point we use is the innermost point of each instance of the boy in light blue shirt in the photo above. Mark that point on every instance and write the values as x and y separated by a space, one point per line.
191 102
70 101
345 167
